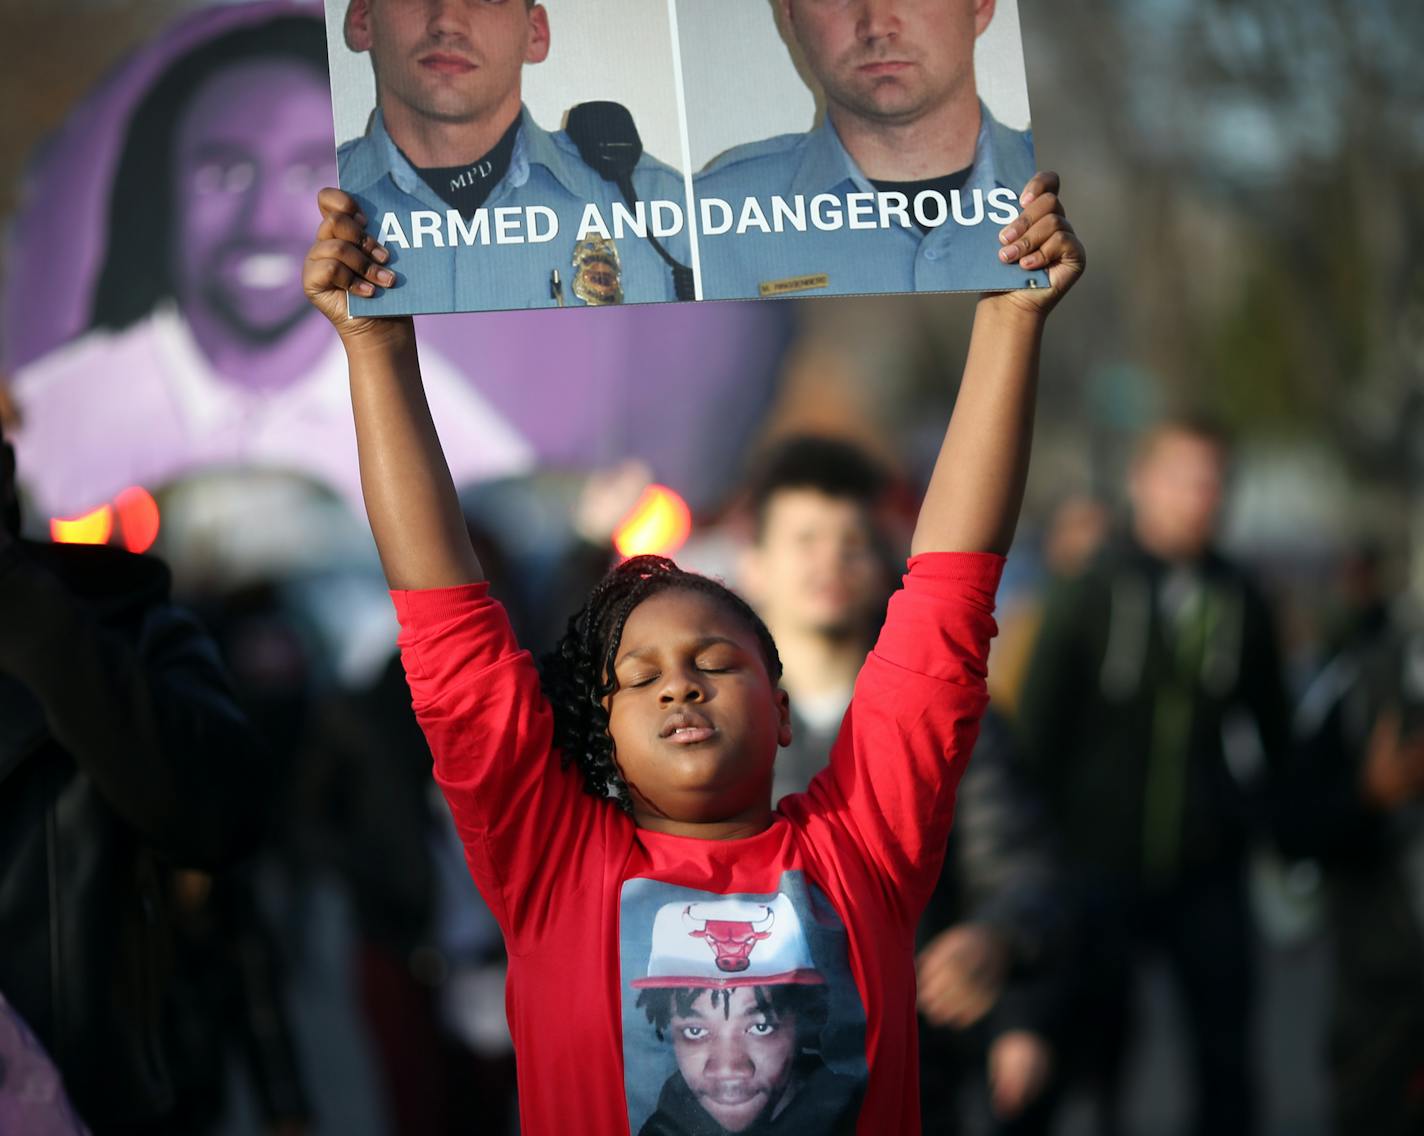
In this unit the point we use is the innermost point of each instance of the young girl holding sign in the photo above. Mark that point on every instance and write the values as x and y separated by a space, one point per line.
617 813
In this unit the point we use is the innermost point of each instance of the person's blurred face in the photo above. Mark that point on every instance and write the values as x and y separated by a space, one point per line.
815 568
1076 531
1177 488
695 717
735 1057
889 60
251 151
448 60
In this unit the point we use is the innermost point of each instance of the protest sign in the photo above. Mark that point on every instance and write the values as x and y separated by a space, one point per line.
518 155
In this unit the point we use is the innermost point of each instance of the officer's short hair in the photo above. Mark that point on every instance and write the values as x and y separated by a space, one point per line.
137 273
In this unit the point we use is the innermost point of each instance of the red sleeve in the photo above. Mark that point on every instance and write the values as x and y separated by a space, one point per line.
912 723
526 822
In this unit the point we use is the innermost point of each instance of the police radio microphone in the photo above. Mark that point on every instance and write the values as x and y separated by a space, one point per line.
608 142
607 139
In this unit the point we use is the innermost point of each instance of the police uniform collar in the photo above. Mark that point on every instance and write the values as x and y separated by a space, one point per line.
533 146
1000 156
376 156
826 164
539 147
1007 152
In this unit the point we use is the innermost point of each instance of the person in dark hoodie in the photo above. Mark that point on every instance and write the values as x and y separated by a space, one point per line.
1155 721
121 752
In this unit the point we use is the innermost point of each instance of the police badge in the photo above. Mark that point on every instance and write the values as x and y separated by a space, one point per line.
598 273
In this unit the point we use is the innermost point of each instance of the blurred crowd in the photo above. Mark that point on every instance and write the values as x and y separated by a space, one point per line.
231 900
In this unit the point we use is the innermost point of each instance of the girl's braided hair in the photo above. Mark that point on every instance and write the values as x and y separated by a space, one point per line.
577 675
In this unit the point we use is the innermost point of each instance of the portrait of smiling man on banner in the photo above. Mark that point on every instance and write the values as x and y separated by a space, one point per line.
199 350
481 207
903 185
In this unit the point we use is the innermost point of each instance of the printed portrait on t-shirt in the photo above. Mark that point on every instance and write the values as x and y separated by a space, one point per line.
740 1014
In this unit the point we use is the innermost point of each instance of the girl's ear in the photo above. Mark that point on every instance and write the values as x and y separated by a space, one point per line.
783 706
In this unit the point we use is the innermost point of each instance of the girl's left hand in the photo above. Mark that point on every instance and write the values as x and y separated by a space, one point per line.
1042 237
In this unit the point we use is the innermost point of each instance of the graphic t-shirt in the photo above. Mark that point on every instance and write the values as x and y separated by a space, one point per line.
662 984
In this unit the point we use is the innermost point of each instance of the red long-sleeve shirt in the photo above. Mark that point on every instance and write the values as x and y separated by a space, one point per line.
553 862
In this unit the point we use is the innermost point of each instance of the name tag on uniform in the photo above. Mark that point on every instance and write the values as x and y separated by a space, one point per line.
794 284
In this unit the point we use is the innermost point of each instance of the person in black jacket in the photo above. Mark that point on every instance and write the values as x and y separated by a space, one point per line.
1355 804
121 752
1147 664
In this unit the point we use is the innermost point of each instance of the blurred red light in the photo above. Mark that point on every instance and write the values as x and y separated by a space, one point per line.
138 518
91 528
659 524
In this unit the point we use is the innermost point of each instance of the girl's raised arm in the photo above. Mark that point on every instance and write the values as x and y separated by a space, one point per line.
973 500
410 498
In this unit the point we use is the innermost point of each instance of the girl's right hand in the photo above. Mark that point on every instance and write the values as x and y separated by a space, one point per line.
1042 237
345 258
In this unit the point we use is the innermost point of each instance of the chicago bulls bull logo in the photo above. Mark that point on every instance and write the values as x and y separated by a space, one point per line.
731 941
728 941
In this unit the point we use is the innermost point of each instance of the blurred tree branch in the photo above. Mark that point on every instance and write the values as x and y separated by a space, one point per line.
1261 200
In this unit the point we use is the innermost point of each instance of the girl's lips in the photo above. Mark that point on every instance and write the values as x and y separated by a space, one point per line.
691 735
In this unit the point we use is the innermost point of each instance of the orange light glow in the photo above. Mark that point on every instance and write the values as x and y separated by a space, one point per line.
138 518
659 524
91 528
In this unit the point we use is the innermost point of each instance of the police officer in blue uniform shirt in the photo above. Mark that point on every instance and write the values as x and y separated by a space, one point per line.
478 205
903 188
